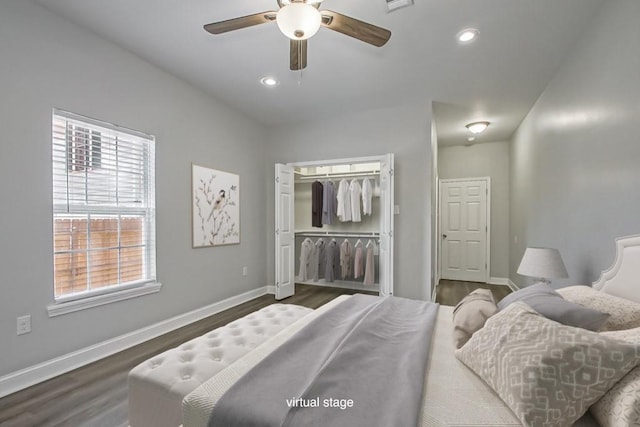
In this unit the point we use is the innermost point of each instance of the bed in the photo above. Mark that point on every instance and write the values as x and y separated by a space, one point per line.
462 391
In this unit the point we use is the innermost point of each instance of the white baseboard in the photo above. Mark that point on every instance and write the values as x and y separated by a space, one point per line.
271 289
513 286
51 368
498 281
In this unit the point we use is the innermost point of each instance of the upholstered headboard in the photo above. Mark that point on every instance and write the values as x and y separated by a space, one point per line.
622 279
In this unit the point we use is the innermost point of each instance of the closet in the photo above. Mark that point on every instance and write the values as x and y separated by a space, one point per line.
300 228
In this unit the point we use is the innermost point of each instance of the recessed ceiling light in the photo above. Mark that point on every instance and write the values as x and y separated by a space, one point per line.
269 81
467 35
477 127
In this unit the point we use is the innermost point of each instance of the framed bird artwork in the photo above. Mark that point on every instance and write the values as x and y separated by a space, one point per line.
215 207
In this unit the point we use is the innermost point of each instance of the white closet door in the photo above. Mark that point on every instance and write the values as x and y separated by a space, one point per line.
285 236
386 226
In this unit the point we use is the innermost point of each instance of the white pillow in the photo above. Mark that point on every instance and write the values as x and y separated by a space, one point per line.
624 314
620 406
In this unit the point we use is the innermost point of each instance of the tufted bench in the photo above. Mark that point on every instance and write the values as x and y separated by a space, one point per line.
158 385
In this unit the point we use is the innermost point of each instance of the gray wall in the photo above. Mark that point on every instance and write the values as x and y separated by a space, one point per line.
575 158
478 160
405 131
47 62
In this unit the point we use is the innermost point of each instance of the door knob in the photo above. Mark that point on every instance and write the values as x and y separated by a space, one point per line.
444 236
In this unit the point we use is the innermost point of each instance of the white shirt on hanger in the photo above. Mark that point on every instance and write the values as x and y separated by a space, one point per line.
344 201
307 252
355 190
367 194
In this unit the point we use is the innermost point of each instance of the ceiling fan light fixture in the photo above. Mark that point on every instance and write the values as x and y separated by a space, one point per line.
286 2
298 21
477 127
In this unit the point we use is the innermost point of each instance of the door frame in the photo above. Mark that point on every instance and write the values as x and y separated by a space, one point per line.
441 181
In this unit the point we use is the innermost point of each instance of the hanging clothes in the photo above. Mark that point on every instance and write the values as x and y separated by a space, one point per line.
316 203
355 190
367 194
370 268
328 202
358 260
332 266
346 257
307 251
344 201
319 259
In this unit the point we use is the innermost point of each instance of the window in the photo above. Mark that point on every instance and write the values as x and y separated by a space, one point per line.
103 207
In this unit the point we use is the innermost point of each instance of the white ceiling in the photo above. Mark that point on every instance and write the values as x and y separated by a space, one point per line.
497 78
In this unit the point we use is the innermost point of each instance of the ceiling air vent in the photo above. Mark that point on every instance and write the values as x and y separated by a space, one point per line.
397 4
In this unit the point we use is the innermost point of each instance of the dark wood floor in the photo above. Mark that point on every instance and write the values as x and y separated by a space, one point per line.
96 395
450 292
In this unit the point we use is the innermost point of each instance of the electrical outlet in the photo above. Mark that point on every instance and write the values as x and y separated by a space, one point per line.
23 325
245 271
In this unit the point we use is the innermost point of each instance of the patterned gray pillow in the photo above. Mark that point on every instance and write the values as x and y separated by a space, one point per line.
620 406
624 314
553 306
547 373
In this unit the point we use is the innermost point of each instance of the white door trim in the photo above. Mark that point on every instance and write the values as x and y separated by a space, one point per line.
487 179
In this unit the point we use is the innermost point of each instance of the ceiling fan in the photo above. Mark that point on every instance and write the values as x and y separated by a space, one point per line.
300 20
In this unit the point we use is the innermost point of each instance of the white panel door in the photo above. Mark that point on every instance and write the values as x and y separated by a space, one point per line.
385 257
285 236
465 231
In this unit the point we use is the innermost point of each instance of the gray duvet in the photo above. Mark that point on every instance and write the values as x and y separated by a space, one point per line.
362 363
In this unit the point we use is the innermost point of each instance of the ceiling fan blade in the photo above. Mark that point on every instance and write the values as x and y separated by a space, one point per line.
298 54
355 28
242 22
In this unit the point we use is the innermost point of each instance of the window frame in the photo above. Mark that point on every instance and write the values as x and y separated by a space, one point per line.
116 291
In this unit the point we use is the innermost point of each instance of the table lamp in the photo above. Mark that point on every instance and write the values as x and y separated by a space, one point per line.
543 264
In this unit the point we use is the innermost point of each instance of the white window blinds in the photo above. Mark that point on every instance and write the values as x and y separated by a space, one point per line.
103 206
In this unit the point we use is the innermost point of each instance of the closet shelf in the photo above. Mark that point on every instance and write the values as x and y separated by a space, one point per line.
314 233
302 177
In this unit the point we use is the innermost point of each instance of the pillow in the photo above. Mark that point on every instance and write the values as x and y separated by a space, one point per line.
620 406
551 305
471 313
547 373
624 314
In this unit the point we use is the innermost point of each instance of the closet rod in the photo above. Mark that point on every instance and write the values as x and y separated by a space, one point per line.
338 175
337 234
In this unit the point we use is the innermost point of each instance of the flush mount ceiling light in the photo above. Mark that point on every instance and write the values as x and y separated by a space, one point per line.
477 127
467 35
269 82
298 21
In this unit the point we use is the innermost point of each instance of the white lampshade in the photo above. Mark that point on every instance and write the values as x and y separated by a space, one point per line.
298 21
543 264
